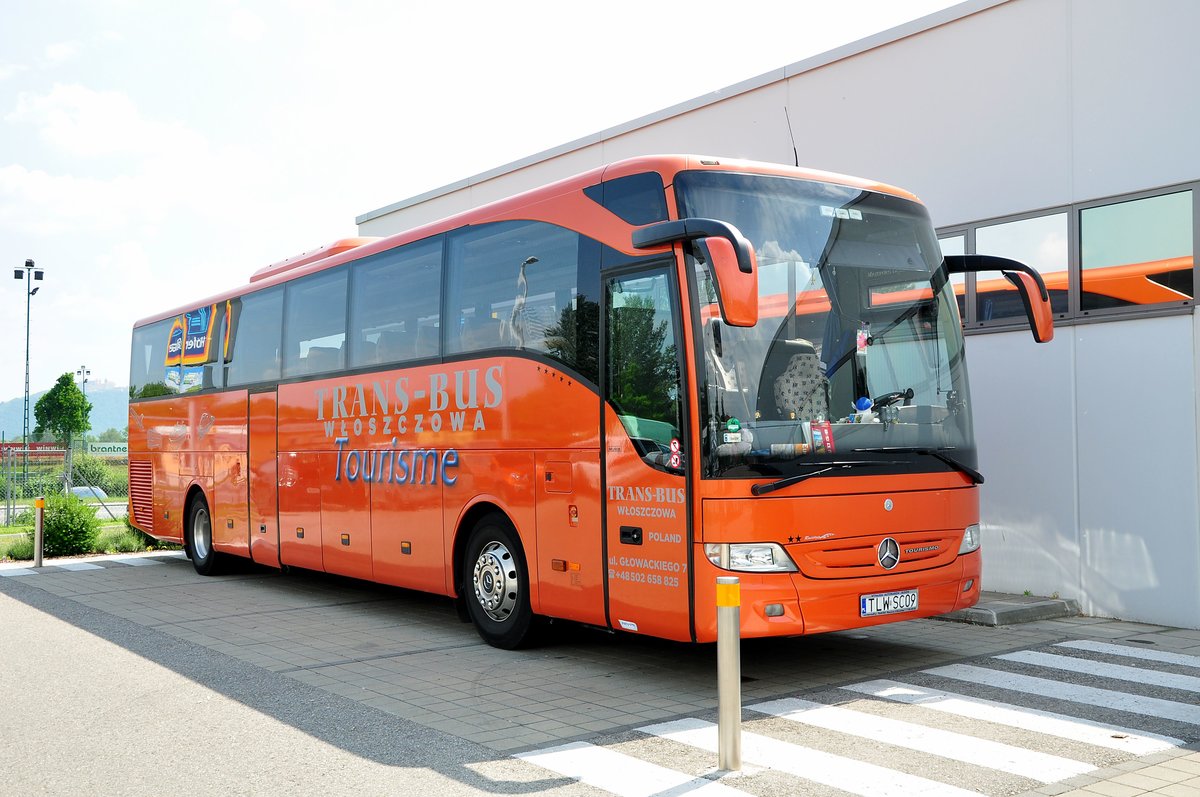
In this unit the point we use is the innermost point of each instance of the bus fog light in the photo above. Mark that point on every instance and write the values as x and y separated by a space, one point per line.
970 582
971 539
763 557
773 610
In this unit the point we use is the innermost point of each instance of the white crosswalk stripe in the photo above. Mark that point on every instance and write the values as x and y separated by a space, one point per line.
1121 672
957 746
1075 693
847 774
1114 737
623 774
1145 654
897 720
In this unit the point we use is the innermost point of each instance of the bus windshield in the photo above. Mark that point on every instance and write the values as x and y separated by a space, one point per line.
857 356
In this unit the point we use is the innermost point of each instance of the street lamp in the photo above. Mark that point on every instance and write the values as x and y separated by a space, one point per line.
83 373
30 274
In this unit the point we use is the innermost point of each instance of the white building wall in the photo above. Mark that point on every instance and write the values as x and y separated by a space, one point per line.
1090 443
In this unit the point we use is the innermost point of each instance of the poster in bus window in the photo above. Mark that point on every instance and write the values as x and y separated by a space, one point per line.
189 344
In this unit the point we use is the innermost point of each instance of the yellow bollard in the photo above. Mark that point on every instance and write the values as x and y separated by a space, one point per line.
39 512
729 673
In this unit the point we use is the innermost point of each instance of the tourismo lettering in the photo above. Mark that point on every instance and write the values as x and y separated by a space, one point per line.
396 466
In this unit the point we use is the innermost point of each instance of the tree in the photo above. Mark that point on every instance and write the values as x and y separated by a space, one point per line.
113 435
63 410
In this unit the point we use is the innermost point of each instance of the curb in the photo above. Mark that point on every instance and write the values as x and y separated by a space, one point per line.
1013 610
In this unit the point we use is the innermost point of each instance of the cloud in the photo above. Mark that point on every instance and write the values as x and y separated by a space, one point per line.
87 123
245 25
61 52
9 70
36 202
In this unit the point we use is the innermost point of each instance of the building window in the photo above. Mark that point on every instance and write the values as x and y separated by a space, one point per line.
1137 252
1040 242
1120 256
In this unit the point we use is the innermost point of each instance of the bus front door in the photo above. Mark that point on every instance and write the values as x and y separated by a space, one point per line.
647 543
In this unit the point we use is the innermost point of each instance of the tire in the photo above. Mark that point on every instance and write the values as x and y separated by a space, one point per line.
495 585
199 539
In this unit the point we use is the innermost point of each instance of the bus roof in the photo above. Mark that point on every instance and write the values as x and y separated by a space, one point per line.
668 166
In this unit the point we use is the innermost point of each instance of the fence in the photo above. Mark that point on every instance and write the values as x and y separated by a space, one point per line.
26 473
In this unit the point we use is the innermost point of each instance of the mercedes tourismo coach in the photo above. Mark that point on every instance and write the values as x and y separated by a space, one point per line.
587 402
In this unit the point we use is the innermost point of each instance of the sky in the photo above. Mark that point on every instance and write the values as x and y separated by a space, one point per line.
152 153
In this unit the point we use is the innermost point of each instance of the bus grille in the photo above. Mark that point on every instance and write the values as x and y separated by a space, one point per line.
141 494
860 556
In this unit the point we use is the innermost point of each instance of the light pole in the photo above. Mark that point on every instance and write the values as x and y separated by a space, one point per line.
83 373
30 274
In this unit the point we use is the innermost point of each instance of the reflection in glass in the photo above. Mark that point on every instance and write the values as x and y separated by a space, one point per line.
1040 242
854 311
1137 252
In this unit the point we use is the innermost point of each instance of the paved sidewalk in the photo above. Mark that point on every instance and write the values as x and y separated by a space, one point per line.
404 654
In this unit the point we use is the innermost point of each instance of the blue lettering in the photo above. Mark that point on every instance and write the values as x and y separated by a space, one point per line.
449 460
341 443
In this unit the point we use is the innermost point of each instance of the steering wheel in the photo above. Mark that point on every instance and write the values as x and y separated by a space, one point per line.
891 398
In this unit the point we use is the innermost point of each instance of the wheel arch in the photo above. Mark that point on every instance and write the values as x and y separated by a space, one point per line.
194 492
462 535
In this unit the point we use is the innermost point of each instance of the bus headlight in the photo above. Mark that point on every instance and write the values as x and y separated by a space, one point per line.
971 539
760 557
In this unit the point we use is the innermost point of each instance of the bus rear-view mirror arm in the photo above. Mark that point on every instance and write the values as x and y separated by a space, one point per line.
725 250
1028 282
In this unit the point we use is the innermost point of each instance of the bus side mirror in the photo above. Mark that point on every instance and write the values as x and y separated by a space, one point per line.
1029 284
737 290
1036 302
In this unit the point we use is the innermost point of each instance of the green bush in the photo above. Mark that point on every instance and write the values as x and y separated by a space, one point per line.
69 527
147 540
118 540
18 548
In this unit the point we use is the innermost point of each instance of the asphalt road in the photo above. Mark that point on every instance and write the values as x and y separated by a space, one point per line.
135 676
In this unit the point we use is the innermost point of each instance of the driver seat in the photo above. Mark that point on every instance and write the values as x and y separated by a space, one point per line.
802 390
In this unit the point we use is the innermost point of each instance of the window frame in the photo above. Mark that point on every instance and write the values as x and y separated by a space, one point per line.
1074 314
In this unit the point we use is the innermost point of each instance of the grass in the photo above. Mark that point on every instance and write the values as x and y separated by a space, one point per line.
15 543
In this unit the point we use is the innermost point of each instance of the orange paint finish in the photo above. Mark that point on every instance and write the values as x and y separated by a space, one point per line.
264 479
183 437
568 479
787 520
300 510
648 542
229 503
411 515
501 479
345 523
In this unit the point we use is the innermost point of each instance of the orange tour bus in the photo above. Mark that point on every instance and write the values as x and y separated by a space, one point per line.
588 401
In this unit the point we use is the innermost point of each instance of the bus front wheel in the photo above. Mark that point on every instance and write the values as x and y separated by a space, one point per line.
199 537
495 584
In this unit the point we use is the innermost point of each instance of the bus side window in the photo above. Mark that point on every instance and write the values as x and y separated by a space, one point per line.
392 294
254 342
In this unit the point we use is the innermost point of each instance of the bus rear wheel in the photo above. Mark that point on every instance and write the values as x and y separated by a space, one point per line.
199 539
495 584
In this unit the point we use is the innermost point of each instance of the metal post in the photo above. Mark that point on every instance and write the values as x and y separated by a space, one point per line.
39 512
729 673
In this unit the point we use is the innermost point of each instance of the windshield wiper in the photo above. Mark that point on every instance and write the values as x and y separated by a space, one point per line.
936 453
770 487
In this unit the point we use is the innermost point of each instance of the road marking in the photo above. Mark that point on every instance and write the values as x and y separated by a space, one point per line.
138 561
1019 761
847 774
623 774
1114 737
1121 672
1146 654
78 566
1087 695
